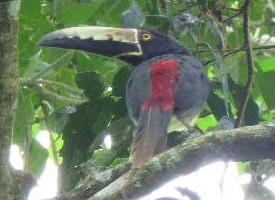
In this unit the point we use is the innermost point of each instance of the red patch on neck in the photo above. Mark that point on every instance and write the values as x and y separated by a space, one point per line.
163 76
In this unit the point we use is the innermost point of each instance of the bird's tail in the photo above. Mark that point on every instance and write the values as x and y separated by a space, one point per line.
151 135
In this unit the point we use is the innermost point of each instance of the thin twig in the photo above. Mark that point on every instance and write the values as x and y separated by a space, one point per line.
52 142
232 51
271 46
57 97
250 64
36 84
62 86
236 50
233 16
41 73
26 135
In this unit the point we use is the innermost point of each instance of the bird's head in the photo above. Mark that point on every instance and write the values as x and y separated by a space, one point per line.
131 45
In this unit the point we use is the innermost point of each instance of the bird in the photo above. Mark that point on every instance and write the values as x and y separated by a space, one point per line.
166 79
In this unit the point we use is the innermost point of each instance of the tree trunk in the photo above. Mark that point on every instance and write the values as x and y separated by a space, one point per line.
8 90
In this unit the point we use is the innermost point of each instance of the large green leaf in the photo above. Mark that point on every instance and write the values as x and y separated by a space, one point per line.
257 10
25 113
216 105
92 84
33 25
77 14
265 82
106 67
120 82
207 123
266 65
37 157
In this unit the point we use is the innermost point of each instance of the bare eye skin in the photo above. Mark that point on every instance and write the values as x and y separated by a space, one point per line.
147 36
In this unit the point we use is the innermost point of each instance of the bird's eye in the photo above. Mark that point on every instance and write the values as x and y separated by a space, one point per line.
146 36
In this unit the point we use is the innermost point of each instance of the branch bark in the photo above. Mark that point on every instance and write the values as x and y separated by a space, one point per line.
8 90
250 64
249 143
242 144
38 85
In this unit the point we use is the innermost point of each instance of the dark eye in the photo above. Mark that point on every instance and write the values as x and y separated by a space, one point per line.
146 36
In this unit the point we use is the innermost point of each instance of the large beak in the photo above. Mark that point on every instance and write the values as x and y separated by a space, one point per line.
106 41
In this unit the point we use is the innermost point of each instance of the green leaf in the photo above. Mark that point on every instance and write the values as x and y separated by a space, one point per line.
92 13
102 157
268 115
235 38
121 132
106 67
105 115
27 103
57 58
216 105
243 168
265 82
207 123
35 65
266 65
251 115
120 82
33 25
58 142
37 158
76 13
233 68
119 162
257 10
91 82
58 119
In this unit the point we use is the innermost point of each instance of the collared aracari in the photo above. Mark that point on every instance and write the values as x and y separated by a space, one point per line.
166 79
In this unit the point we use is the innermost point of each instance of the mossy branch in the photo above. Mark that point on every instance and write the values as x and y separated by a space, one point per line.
249 143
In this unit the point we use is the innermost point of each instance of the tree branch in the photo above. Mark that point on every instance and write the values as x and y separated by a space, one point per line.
233 16
250 64
242 144
37 84
236 50
249 143
49 68
13 184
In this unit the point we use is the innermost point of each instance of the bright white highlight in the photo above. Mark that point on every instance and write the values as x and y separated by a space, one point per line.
211 182
206 183
43 137
15 157
108 142
270 184
244 179
109 89
47 183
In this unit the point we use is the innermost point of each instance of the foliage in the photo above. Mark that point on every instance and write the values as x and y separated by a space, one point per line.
81 97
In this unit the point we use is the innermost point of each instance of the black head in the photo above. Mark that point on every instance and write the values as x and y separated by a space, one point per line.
130 45
154 44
